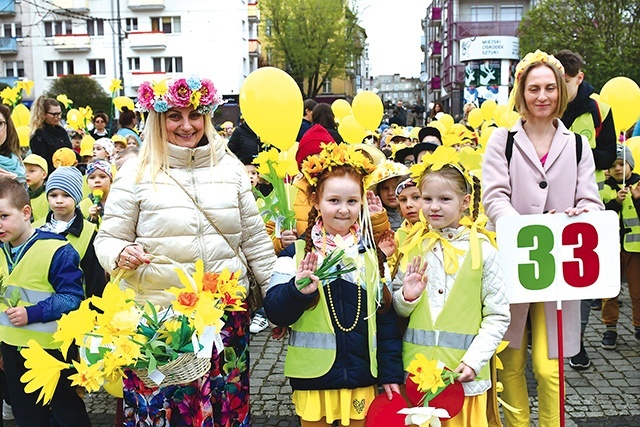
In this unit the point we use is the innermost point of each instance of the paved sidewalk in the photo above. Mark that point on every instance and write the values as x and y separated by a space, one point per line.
607 394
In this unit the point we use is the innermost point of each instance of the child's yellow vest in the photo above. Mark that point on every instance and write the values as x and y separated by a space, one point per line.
448 338
312 340
31 278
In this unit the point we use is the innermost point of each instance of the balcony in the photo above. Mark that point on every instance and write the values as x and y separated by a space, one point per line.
462 30
254 48
453 77
435 17
436 48
434 84
8 45
147 40
7 7
77 6
145 5
253 12
72 43
139 77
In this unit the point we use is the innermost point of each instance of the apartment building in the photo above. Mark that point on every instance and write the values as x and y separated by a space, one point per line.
471 49
137 40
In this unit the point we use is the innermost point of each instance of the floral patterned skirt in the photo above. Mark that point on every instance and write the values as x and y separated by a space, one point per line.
219 399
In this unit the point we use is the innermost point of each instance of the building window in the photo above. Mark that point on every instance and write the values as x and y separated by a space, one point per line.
11 29
95 27
171 64
131 24
134 63
58 68
14 68
56 28
166 24
511 12
481 13
327 87
97 67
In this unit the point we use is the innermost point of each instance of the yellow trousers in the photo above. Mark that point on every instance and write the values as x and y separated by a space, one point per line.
473 413
545 371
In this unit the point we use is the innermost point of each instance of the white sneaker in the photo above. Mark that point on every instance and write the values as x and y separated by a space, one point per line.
258 324
7 412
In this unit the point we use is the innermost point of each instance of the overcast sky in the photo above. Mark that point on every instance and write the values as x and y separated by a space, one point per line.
393 34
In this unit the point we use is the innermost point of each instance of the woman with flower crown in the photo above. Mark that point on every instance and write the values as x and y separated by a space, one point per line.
332 289
186 198
544 169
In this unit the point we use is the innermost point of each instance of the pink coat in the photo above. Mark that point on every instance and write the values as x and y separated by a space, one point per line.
525 186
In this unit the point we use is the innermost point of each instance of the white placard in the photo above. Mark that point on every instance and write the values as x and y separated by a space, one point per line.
489 47
557 257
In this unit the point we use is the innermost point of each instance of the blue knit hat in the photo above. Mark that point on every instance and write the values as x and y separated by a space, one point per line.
67 179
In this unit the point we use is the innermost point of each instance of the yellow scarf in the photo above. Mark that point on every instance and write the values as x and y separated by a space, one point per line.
476 227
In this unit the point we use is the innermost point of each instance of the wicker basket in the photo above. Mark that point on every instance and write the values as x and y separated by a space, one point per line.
183 370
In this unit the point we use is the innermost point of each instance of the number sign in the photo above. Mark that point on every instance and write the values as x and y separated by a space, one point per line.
557 257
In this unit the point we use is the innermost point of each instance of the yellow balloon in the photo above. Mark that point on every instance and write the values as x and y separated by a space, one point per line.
351 131
475 118
271 103
634 147
23 135
487 108
623 96
367 109
20 115
341 108
498 114
510 118
114 388
446 120
440 126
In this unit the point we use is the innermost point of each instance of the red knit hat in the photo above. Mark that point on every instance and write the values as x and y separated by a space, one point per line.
310 143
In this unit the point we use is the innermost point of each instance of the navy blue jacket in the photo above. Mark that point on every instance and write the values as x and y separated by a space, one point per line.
284 305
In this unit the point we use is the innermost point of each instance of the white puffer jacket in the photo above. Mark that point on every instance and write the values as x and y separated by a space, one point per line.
164 220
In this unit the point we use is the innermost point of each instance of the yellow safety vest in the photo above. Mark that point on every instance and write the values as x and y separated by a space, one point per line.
584 125
40 207
448 338
312 341
30 278
79 243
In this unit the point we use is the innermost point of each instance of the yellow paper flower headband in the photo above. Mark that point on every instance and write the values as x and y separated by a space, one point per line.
530 58
436 160
333 155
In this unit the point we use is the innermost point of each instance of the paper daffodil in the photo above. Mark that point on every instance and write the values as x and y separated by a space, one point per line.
123 101
10 95
43 371
63 99
73 326
90 377
116 85
427 374
424 416
26 85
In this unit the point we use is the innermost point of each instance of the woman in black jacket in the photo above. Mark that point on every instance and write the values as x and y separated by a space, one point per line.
323 115
47 135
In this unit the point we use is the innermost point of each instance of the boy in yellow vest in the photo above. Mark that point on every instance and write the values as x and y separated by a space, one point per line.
64 192
42 281
624 198
37 170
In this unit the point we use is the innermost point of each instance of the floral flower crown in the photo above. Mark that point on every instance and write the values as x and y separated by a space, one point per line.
443 156
333 155
537 56
385 170
165 94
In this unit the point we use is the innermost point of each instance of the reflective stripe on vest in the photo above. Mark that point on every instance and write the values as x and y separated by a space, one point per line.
30 277
312 340
438 338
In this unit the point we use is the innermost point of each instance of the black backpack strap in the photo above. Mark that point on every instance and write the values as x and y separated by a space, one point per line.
508 149
578 148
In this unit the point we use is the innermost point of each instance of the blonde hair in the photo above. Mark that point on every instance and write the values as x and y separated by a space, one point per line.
563 96
39 110
154 154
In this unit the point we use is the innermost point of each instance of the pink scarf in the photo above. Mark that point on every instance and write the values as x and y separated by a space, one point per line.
325 242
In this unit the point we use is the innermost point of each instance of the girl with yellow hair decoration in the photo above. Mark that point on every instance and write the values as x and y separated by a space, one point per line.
344 341
452 288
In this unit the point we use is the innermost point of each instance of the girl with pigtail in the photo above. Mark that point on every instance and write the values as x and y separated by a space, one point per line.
452 289
344 340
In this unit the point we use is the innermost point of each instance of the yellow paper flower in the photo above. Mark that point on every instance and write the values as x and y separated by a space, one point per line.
89 377
385 170
126 350
43 371
73 326
26 85
10 95
123 101
63 99
159 88
116 85
195 98
125 322
114 299
427 374
112 367
191 282
207 314
185 300
500 349
333 155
